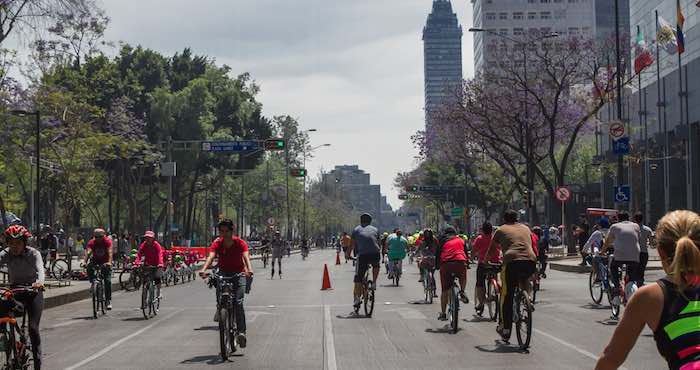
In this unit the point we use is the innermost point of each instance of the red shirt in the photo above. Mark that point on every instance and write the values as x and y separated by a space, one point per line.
453 250
100 249
481 246
153 254
535 243
230 258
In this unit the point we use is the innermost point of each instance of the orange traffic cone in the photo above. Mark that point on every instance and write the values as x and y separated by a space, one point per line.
326 279
337 258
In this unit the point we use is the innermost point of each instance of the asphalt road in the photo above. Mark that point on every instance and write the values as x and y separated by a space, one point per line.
294 325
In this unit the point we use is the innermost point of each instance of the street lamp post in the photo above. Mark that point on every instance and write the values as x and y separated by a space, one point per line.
37 115
529 173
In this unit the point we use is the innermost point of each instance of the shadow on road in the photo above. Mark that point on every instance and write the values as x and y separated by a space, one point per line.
390 286
608 322
352 316
418 301
207 328
501 347
477 318
443 330
209 360
591 306
82 318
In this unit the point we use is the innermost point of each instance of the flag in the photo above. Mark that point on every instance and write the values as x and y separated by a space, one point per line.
644 57
679 27
666 36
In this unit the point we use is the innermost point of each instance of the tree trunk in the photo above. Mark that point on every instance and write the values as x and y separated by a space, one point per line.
190 204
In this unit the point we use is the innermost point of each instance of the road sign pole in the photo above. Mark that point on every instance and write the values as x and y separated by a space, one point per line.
170 207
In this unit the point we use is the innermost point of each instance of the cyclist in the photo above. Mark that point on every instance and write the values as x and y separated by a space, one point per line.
233 261
304 251
452 260
519 264
594 245
26 268
365 243
152 252
396 251
669 307
383 244
346 243
427 251
100 249
278 249
624 237
542 248
646 237
479 248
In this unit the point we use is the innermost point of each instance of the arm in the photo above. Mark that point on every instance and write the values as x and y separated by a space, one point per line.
39 266
110 252
88 254
208 262
629 328
248 265
609 240
351 248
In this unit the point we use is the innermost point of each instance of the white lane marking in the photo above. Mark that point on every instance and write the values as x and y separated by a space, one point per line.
329 343
571 346
120 341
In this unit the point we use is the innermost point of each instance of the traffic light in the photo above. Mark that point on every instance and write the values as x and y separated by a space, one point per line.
527 198
403 196
412 188
298 172
275 144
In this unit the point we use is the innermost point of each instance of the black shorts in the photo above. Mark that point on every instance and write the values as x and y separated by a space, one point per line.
363 263
481 270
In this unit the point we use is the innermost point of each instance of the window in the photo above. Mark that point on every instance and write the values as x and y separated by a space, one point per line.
503 32
558 1
531 15
503 16
490 16
518 31
518 15
546 15
531 1
545 1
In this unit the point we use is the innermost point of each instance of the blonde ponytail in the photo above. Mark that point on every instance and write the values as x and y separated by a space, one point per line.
686 264
678 236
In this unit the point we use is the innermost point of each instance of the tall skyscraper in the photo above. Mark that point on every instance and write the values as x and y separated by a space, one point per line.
518 19
442 45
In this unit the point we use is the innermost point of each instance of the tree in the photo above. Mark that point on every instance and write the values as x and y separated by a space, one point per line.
32 15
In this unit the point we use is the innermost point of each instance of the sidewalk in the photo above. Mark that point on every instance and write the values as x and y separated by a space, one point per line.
571 264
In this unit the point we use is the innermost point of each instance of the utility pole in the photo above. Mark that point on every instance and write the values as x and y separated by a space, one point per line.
171 206
618 68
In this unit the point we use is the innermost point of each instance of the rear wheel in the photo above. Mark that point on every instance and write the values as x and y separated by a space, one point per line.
59 269
224 334
492 299
523 324
125 280
156 299
454 310
95 303
101 297
595 288
369 299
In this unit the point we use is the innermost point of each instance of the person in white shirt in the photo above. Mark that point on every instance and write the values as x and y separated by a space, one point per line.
594 245
646 237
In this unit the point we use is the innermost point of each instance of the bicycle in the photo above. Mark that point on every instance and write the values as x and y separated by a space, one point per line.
396 269
598 282
304 253
13 336
226 294
130 278
493 290
59 268
522 315
98 291
535 281
428 278
453 304
150 296
367 296
621 293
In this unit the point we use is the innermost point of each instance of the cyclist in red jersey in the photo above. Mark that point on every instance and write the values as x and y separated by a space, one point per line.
152 253
452 260
479 248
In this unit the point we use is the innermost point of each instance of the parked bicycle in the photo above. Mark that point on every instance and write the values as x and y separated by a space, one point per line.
59 268
150 296
14 341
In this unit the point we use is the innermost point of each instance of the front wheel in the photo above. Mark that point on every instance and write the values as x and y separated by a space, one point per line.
95 303
60 269
125 281
144 302
595 287
523 324
224 334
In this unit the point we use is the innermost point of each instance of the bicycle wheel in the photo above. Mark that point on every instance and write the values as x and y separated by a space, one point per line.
492 300
95 303
224 336
233 330
615 302
145 306
136 279
156 299
396 276
125 281
10 347
595 288
59 269
369 301
101 297
523 325
535 289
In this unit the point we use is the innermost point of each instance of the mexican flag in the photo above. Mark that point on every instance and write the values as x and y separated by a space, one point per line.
643 58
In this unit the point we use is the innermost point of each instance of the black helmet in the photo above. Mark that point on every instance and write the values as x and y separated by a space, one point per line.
449 230
366 218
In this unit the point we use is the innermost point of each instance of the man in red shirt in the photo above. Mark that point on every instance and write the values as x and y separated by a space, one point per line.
98 258
452 259
152 253
233 261
479 248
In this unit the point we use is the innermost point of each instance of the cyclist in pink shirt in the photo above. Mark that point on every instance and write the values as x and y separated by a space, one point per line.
152 253
479 248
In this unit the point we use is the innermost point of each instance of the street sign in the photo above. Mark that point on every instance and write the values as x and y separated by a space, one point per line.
621 146
271 221
168 169
617 130
563 194
230 146
622 194
457 212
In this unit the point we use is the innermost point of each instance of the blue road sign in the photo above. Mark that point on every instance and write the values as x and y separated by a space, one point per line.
622 194
621 146
230 146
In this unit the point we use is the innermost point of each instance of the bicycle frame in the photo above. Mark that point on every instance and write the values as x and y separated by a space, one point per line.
15 343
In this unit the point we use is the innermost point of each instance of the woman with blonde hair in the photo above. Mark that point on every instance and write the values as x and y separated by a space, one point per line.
671 307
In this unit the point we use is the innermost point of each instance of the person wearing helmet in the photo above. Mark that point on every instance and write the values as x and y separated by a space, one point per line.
98 258
152 253
365 242
26 268
452 260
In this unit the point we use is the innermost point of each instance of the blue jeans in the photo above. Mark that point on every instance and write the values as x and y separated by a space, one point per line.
239 286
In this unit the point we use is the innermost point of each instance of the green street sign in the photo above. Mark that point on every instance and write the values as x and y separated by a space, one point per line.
457 212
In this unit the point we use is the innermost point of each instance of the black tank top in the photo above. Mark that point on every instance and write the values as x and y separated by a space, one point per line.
678 334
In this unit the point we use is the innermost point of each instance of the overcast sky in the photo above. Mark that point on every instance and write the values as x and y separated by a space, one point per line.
353 69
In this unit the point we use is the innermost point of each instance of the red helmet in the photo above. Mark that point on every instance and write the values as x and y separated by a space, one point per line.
17 232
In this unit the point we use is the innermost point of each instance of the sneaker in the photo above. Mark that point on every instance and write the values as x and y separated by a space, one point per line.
241 340
504 333
442 316
391 276
480 308
420 280
216 316
280 276
463 297
109 306
616 300
435 295
357 302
